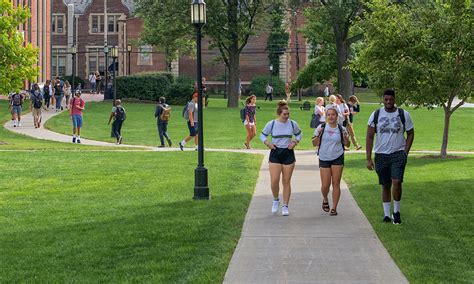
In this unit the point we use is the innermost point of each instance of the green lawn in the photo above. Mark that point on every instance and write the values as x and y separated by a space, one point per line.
435 242
223 128
125 217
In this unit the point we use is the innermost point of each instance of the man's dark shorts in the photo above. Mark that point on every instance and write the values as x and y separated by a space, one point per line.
337 162
283 156
390 166
193 130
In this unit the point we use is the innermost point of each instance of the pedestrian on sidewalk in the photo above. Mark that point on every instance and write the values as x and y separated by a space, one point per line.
58 93
250 121
162 115
191 115
391 151
76 109
269 92
119 115
67 92
47 93
354 109
331 157
92 82
98 80
16 100
36 105
282 155
319 113
342 110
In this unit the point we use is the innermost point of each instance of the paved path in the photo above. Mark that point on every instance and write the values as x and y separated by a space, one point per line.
309 246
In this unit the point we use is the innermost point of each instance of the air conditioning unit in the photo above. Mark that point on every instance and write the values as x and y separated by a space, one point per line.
95 30
60 30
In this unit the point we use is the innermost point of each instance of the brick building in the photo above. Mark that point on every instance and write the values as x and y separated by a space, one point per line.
82 23
37 31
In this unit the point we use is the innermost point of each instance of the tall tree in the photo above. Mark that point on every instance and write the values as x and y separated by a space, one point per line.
278 37
17 59
424 50
338 17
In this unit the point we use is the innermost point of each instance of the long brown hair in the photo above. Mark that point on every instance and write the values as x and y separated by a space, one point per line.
281 105
340 98
249 99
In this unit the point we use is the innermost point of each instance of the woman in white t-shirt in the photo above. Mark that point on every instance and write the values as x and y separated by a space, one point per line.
331 139
342 110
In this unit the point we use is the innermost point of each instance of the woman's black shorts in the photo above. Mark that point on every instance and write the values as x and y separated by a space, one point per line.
283 156
337 162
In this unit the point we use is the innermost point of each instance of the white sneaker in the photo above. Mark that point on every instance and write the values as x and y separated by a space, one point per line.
19 124
284 210
275 206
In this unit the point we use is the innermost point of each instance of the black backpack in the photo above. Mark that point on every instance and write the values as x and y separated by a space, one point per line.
46 91
242 114
323 125
185 113
120 114
37 102
401 114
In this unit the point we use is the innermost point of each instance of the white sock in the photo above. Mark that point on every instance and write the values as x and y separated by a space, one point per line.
183 142
74 136
386 209
396 206
79 137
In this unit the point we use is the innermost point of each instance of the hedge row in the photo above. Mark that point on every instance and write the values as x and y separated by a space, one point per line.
259 83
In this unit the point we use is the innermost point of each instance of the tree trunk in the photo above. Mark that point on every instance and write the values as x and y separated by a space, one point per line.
234 75
344 75
444 145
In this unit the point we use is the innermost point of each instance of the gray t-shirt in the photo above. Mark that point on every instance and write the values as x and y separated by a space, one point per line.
193 107
389 136
281 133
331 144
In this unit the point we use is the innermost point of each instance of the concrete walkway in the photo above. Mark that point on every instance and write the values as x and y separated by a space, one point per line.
309 246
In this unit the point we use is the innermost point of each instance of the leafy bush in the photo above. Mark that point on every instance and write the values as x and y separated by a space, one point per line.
147 86
180 91
77 80
259 83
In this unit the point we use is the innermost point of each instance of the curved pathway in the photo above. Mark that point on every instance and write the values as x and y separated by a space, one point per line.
308 246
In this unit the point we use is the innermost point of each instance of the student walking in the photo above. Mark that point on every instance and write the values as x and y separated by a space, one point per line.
16 100
98 81
162 115
391 151
282 156
75 110
67 92
269 92
331 157
92 82
36 105
47 93
191 115
288 92
354 108
250 121
342 110
119 115
58 93
319 114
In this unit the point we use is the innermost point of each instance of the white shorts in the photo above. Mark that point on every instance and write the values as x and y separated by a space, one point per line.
251 124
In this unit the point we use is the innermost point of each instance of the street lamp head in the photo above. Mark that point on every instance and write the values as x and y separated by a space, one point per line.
114 52
73 50
129 48
271 67
198 12
106 49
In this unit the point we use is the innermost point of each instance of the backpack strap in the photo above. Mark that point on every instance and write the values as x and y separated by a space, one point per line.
342 136
376 119
323 125
401 113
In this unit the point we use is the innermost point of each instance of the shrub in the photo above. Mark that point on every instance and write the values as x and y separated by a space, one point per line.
259 83
180 91
147 86
77 80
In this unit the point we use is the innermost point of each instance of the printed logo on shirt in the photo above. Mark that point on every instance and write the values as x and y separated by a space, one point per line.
390 125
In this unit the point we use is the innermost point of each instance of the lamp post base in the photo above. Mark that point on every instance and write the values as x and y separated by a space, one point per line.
201 188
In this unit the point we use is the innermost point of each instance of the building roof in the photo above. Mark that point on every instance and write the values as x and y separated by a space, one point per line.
81 5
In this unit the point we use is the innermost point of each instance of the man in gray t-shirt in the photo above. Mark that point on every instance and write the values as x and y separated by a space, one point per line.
192 122
391 151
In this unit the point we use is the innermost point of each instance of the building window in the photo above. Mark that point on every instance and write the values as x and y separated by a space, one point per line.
97 23
96 60
58 24
145 56
59 58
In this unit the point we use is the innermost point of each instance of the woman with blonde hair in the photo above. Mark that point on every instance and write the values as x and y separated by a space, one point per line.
250 121
319 114
67 92
354 108
282 156
331 157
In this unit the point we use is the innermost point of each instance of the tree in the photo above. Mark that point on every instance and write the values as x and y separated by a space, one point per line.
335 19
424 51
166 25
17 60
278 37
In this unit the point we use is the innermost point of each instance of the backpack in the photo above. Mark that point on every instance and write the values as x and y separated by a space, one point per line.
120 114
16 100
165 113
46 91
37 102
57 90
243 113
185 113
323 125
401 114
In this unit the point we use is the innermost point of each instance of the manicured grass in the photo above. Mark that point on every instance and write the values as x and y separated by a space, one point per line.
120 216
435 242
223 128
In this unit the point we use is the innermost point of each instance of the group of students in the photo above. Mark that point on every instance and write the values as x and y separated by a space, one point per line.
332 138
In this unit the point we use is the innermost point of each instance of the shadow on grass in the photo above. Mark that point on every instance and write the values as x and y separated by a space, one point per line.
167 242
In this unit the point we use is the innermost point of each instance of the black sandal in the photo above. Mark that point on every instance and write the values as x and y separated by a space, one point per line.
325 206
333 212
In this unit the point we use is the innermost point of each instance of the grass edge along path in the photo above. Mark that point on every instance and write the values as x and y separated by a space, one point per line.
435 243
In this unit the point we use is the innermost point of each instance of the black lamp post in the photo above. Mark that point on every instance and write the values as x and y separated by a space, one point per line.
198 18
73 52
114 52
129 50
106 51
